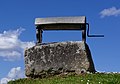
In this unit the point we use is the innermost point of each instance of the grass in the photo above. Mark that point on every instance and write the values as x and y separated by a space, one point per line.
97 78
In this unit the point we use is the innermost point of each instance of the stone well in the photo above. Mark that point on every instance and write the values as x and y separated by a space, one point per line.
48 59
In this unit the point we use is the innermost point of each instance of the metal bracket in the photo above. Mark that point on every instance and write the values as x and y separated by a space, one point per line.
92 35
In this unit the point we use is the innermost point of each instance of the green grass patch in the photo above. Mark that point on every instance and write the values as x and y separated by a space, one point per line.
98 78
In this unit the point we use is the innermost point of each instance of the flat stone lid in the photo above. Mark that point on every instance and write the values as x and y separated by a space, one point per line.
61 20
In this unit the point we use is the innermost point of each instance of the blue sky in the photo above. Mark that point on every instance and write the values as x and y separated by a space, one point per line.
17 30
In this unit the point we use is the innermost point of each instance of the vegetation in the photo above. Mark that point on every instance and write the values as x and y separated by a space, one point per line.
97 78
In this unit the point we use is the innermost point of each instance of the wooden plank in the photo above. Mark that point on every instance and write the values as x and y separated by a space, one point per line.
62 27
61 20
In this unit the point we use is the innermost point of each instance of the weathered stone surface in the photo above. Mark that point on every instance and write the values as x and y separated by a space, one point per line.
57 58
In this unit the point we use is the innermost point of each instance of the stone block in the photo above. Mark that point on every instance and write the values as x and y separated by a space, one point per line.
48 59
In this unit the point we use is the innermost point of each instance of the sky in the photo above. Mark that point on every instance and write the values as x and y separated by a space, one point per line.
17 31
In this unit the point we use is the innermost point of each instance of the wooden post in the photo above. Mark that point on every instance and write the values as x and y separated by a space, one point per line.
84 35
39 35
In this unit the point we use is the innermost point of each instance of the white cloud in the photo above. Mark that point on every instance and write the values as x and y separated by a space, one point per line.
4 80
110 12
11 47
14 73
